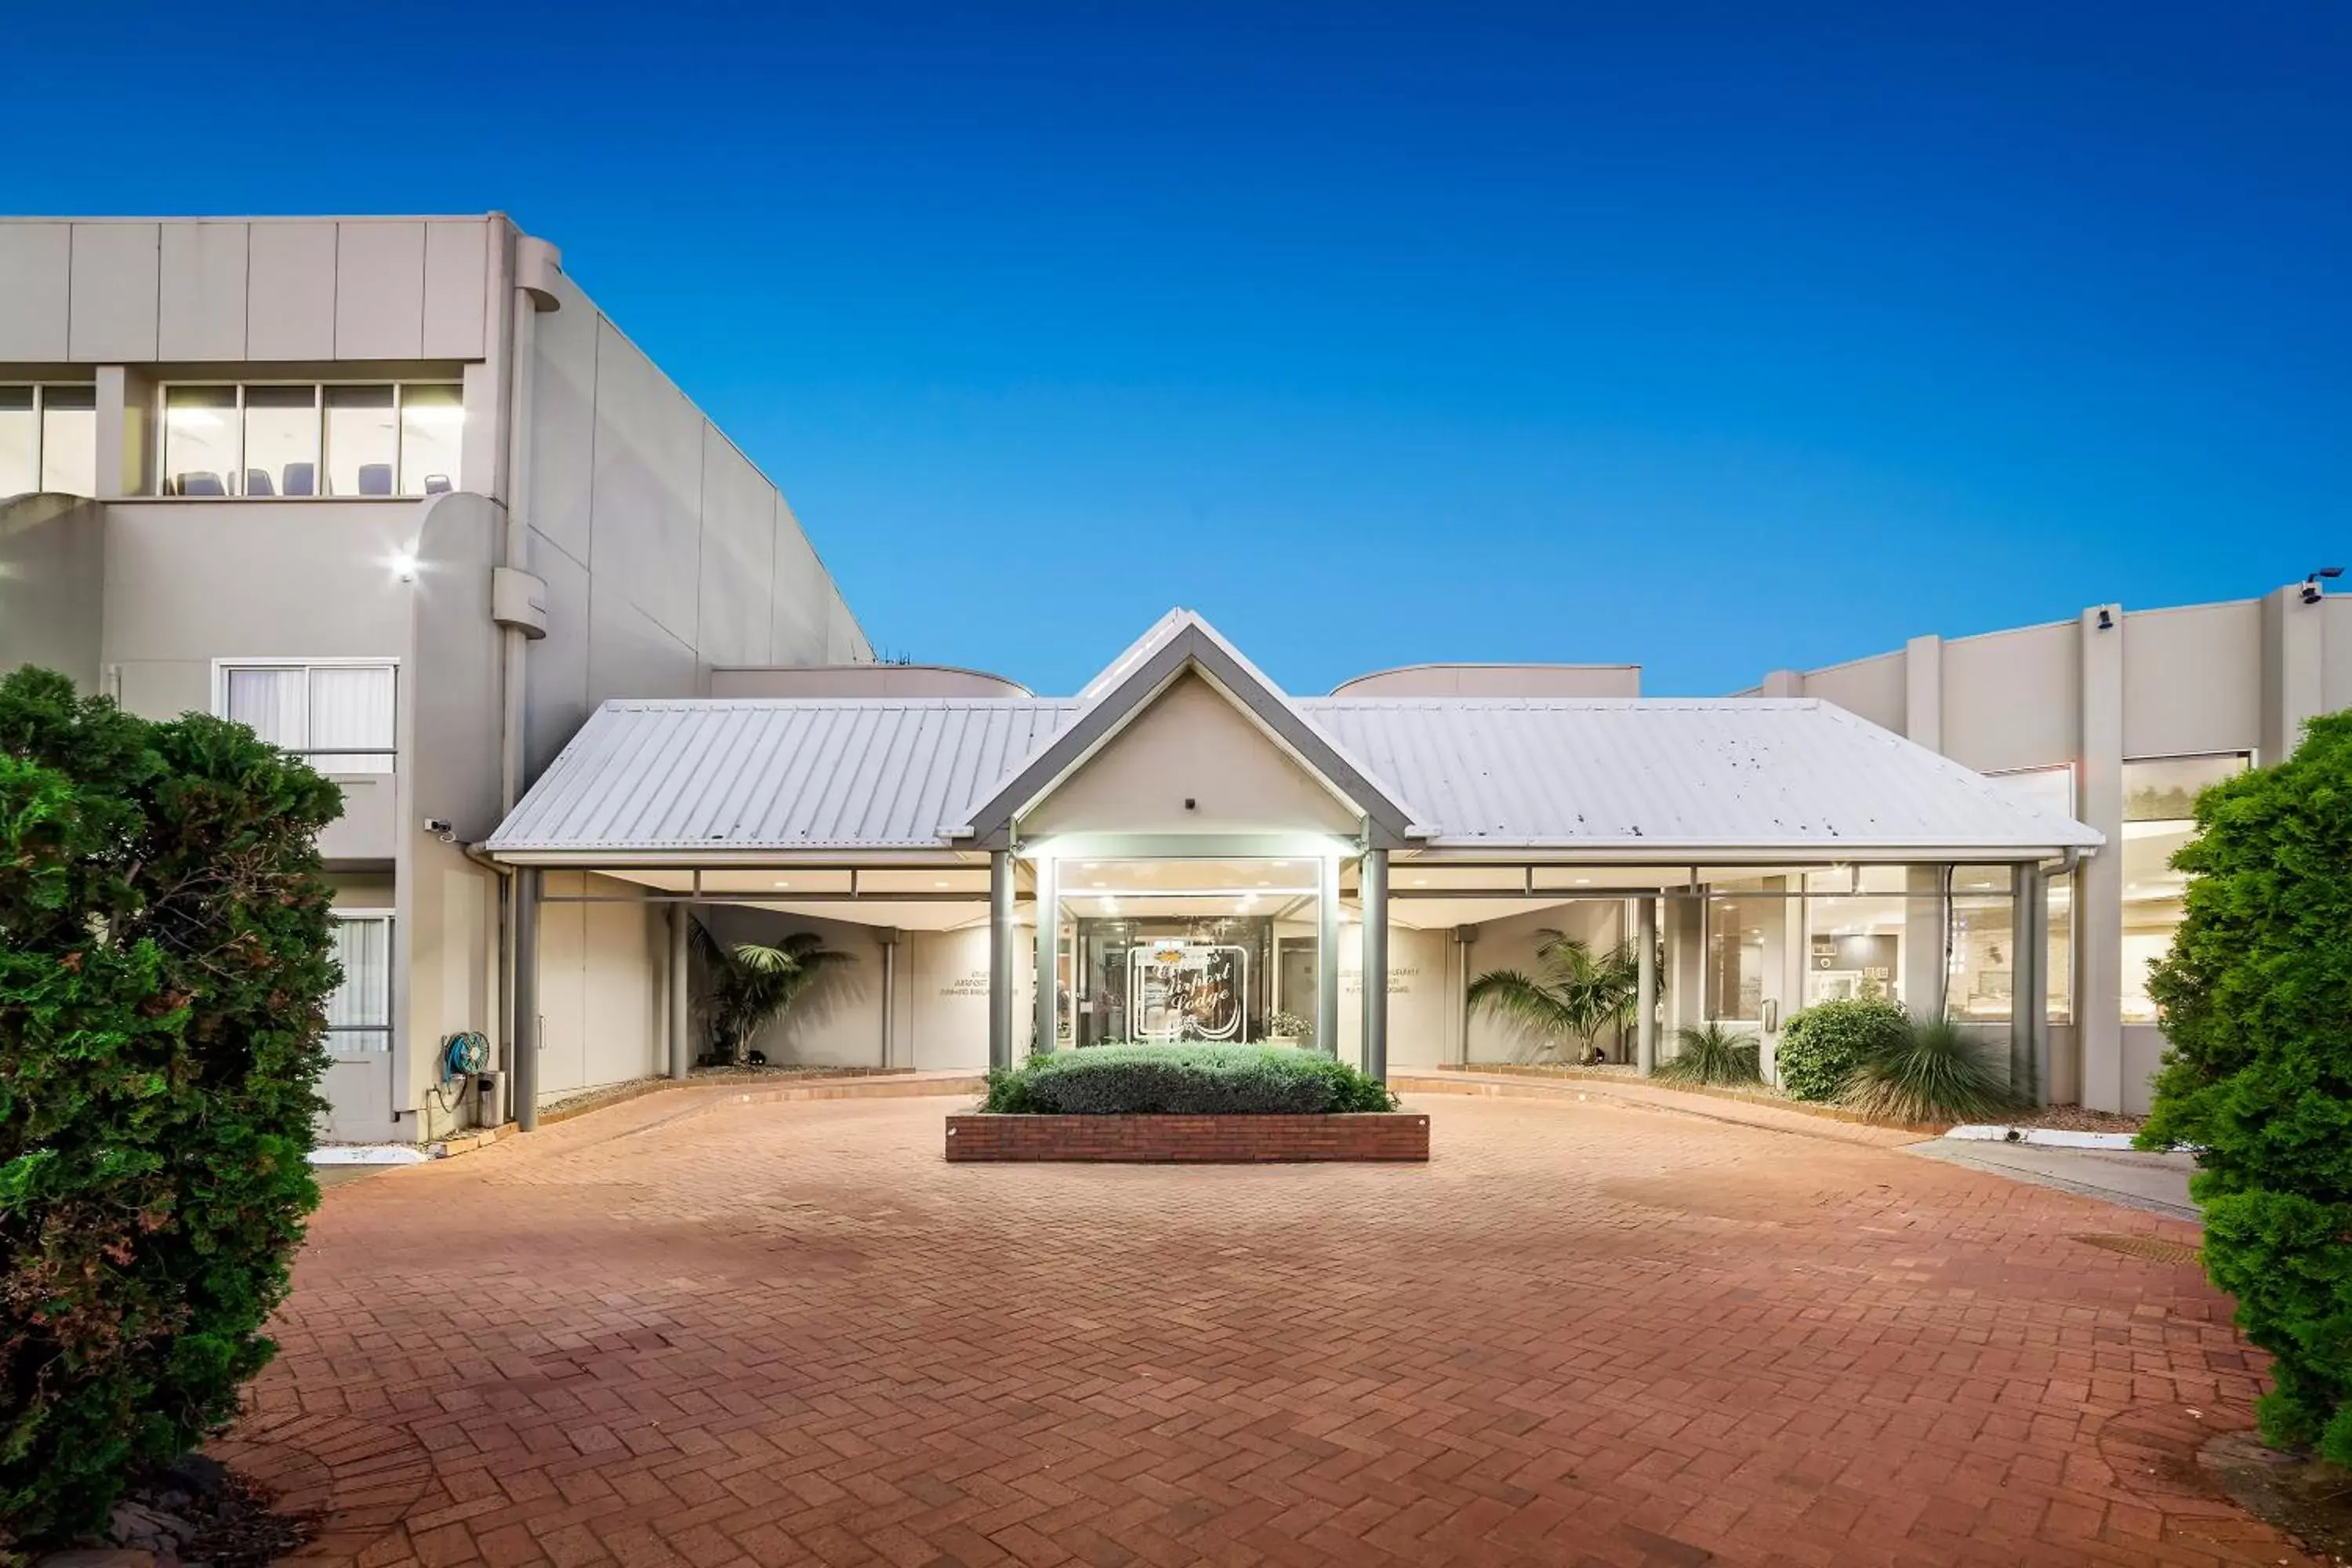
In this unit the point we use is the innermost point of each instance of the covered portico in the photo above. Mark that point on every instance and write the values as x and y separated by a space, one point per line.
1184 851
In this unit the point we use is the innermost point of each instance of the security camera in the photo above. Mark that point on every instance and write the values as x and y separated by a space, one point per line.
442 828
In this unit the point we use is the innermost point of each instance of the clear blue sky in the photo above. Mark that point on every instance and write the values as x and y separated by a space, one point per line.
1714 338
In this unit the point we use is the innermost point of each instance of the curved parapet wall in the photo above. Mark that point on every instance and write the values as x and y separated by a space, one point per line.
1496 680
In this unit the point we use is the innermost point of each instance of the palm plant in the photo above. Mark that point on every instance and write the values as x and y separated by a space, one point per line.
750 985
1933 1072
1709 1053
1575 994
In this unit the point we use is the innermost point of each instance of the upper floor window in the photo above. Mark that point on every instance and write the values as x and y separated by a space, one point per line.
338 715
49 439
312 438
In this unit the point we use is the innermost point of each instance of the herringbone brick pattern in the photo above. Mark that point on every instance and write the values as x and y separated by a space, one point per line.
1584 1333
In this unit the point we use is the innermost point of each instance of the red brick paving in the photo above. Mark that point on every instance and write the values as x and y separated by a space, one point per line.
1584 1333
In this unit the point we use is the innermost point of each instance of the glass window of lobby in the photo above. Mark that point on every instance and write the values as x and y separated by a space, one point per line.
273 440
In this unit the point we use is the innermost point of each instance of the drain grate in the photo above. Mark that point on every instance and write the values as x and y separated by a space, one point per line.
2151 1248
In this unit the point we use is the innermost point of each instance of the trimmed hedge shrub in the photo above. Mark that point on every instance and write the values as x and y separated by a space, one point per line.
1184 1080
165 957
1823 1045
2255 997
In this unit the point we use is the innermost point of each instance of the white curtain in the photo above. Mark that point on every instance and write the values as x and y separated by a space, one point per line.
352 710
359 1015
272 702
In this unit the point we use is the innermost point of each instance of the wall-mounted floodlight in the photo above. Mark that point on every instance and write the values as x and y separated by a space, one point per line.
2106 621
2312 591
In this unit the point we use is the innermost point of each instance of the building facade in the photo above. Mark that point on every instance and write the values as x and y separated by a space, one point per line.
2117 717
396 492
1184 851
2110 723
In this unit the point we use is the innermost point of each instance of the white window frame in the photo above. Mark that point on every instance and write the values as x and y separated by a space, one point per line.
223 667
387 1028
318 387
40 391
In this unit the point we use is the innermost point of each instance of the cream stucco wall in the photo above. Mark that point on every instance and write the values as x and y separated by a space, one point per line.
1191 743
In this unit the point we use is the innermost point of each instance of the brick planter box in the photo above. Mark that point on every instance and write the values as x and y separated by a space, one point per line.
1399 1136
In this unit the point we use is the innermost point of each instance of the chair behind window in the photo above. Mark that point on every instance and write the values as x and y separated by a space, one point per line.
199 483
375 479
257 482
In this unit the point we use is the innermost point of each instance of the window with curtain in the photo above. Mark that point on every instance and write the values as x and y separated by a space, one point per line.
359 1014
338 716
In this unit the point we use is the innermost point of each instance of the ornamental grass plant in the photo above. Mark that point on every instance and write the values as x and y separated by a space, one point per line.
1709 1054
1931 1072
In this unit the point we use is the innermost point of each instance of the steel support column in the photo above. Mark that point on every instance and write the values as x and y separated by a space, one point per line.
1049 930
1000 959
1372 879
522 1080
681 1049
2029 991
1645 988
1327 956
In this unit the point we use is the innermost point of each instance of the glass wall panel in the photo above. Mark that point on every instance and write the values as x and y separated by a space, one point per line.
281 441
1980 986
1163 951
2160 795
2052 790
432 421
1853 946
70 440
2061 950
20 442
362 440
200 441
1743 933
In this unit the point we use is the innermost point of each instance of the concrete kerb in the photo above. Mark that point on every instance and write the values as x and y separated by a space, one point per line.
702 1098
1741 1110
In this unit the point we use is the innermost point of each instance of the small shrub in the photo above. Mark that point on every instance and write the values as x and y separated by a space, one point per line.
1823 1045
1711 1054
1184 1080
1931 1072
164 958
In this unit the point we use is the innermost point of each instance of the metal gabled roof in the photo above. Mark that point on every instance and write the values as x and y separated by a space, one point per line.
1642 775
1178 642
776 774
1613 778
